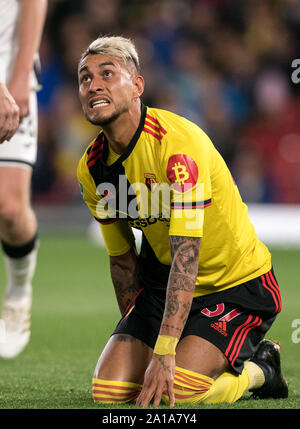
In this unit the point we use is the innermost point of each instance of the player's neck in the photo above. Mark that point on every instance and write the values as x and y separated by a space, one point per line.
121 131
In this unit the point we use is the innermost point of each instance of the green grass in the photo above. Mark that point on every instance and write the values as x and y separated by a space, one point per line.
74 312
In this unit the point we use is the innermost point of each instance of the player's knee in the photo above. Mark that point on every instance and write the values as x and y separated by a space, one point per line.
10 212
114 392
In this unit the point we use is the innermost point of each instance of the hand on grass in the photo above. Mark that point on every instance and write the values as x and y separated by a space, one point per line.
159 379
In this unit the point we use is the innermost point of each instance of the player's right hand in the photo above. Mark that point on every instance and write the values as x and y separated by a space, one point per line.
9 114
158 378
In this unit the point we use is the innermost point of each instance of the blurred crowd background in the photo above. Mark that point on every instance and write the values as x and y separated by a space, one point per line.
224 64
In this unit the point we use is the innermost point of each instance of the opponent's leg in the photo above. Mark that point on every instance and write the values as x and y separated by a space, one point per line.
18 230
120 369
18 223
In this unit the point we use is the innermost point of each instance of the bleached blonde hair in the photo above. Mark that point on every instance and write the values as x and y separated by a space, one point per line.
116 46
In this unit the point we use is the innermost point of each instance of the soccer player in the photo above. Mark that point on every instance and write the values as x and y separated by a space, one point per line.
198 298
20 33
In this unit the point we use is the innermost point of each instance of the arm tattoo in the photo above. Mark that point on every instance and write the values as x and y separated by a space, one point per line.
185 251
165 325
162 362
186 310
172 303
124 273
181 285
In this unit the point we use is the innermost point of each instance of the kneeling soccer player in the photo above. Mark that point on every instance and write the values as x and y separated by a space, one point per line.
199 297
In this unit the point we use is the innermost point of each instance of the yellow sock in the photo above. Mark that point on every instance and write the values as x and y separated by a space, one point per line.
228 388
189 386
118 392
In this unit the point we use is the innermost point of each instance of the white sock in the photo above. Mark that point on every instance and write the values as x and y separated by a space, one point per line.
256 375
19 274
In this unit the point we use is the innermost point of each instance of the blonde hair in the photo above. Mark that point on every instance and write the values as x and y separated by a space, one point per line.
116 46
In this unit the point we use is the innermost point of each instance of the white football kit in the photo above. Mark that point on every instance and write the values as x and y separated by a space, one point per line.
21 150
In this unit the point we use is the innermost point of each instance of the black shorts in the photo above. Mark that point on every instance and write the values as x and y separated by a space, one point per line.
234 320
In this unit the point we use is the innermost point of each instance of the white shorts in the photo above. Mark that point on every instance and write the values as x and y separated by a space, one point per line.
21 150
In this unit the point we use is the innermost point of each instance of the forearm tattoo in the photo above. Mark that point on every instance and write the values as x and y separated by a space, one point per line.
165 367
124 274
181 285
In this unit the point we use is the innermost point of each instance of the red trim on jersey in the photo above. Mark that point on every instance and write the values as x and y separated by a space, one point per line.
94 159
154 127
95 146
105 222
157 136
156 130
156 122
190 205
95 152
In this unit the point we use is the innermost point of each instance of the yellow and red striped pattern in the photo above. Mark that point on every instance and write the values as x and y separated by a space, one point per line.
114 392
153 127
189 386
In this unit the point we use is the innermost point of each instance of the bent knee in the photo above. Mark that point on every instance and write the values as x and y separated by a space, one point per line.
10 211
114 392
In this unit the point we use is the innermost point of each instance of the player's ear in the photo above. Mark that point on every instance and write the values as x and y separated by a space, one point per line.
139 85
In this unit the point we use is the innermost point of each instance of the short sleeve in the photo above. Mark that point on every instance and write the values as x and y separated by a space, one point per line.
118 237
187 169
87 186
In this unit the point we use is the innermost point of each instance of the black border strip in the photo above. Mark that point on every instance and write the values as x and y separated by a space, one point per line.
19 161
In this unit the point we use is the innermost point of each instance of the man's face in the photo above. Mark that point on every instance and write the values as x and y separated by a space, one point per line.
107 87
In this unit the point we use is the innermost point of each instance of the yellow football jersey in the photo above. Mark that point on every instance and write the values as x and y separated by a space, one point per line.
172 181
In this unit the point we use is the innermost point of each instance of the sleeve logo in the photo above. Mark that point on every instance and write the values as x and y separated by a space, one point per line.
182 171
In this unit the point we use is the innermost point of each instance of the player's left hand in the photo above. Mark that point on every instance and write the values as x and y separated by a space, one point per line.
158 379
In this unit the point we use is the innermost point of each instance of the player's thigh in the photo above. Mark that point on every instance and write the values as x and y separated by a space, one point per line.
124 358
199 355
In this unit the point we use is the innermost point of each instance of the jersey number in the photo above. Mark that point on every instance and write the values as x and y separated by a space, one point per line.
220 310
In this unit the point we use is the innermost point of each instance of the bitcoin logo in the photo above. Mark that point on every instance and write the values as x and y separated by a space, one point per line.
182 171
181 174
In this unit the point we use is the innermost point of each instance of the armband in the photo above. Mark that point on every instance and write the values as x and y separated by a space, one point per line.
165 345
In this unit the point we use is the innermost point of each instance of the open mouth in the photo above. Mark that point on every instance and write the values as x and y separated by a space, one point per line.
99 103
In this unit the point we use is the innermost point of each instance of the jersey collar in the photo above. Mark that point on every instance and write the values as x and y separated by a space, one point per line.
131 145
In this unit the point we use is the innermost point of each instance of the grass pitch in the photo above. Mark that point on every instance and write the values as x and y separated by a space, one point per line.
74 312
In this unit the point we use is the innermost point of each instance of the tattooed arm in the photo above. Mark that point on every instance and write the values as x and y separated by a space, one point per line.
123 271
181 285
159 375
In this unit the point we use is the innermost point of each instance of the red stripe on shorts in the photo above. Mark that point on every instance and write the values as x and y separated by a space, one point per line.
257 321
